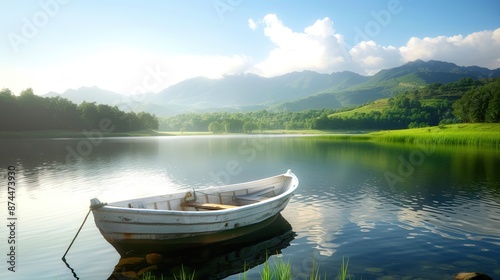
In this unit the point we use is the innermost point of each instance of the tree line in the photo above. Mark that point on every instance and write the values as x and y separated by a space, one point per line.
32 112
466 100
223 122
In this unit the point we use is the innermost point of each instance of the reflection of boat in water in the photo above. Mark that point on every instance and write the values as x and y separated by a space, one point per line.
211 261
192 216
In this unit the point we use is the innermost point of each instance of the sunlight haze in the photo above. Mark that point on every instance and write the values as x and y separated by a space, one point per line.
55 45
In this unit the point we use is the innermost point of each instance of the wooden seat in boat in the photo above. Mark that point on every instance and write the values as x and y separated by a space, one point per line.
208 206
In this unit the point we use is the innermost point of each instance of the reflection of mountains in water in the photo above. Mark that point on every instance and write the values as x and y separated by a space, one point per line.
212 261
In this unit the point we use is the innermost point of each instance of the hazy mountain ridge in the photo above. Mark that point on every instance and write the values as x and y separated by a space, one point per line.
252 90
90 94
294 91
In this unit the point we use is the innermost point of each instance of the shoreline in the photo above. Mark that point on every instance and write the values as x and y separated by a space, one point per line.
479 134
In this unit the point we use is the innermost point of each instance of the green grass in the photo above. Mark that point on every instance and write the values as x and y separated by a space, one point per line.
478 134
456 134
344 273
150 276
184 275
315 272
280 270
378 105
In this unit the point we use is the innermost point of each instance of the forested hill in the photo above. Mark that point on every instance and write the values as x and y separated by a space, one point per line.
466 100
29 112
389 82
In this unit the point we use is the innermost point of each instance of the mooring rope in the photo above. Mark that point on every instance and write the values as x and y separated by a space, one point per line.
84 220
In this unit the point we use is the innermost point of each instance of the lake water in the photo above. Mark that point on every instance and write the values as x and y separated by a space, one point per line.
396 212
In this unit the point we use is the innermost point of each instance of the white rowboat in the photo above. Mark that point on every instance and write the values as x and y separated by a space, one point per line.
198 216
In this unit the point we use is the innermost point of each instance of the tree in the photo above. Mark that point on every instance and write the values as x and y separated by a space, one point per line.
9 108
493 110
150 121
248 127
479 104
216 127
89 114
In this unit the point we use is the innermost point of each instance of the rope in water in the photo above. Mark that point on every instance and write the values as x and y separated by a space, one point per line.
92 207
84 220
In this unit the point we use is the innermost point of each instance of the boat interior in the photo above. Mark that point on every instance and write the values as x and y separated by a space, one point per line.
212 198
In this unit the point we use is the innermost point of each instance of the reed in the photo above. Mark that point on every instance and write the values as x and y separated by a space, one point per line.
280 270
343 273
183 275
266 273
150 276
315 272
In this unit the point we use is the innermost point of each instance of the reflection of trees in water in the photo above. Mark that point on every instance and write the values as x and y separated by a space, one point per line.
214 261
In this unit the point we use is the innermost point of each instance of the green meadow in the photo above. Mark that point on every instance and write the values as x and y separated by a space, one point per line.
477 134
480 134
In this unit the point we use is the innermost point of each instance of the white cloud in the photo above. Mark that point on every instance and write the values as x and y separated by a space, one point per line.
370 57
319 48
479 48
252 24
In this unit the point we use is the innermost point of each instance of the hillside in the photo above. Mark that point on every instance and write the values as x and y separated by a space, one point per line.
297 91
378 105
252 90
431 96
388 82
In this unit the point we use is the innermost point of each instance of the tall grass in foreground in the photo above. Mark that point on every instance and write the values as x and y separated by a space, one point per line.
149 276
343 273
281 270
315 272
183 275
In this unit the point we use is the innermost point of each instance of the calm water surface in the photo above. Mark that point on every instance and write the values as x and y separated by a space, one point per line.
397 212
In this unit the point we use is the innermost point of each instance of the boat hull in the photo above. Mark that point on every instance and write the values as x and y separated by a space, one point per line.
209 261
119 224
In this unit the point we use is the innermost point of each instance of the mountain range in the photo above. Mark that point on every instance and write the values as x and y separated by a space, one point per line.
294 91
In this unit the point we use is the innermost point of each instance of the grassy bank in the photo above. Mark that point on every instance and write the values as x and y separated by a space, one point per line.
483 134
456 134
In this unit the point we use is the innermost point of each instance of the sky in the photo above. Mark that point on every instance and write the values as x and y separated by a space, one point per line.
132 47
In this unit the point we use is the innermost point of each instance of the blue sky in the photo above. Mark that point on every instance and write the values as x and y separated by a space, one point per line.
136 46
